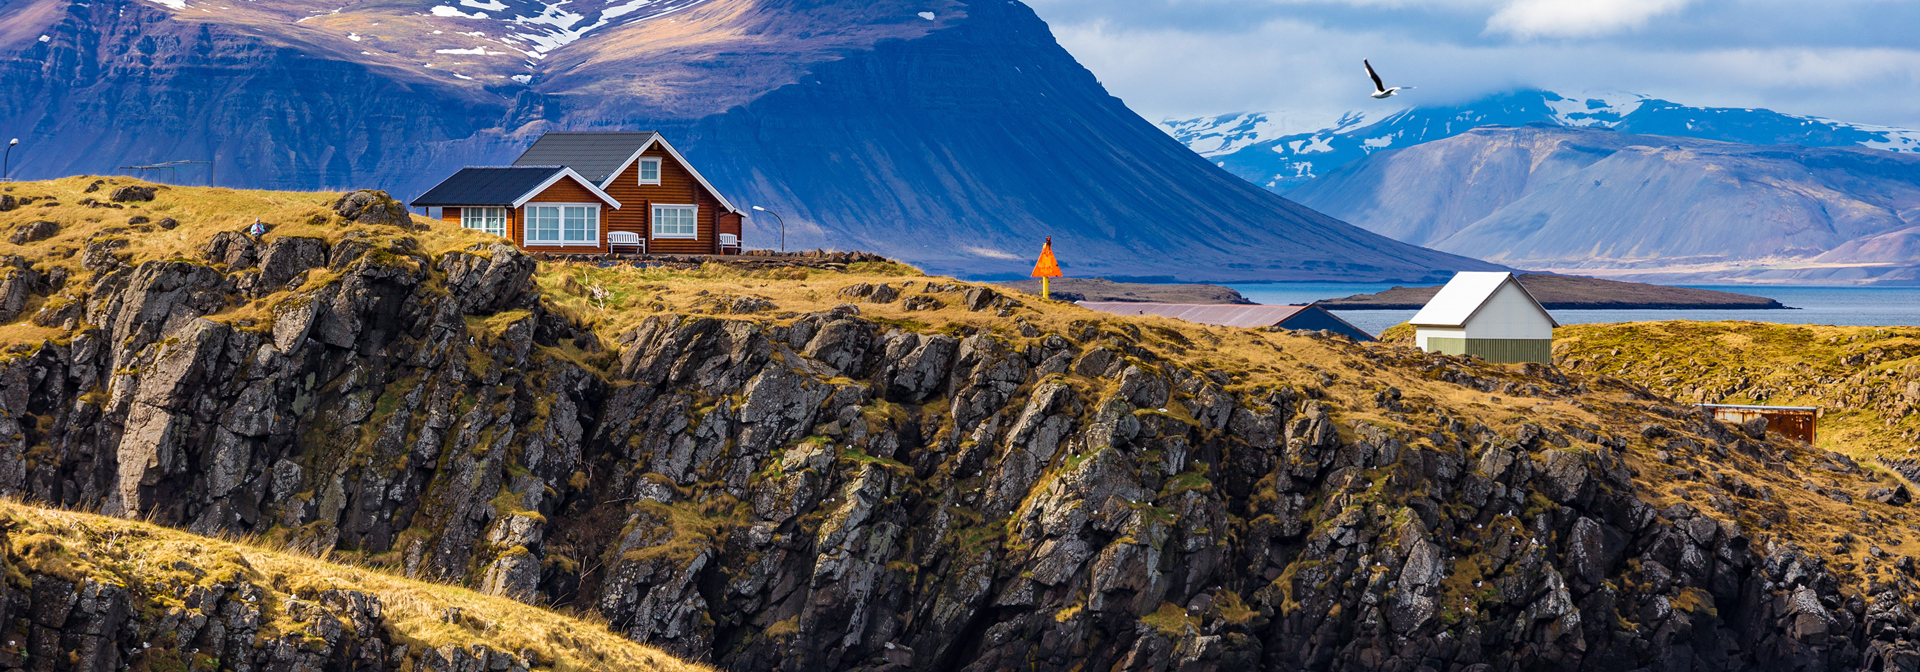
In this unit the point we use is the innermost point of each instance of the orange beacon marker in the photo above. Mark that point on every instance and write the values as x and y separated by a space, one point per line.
1047 267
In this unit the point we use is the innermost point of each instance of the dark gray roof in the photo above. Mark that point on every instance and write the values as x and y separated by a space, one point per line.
1308 317
593 154
1230 315
486 185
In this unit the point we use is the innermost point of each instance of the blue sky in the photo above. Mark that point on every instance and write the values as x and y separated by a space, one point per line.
1853 60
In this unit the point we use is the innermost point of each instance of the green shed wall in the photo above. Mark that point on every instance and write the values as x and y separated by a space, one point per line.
1499 350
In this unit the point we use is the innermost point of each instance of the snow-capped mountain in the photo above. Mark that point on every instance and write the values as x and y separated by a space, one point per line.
1252 146
930 131
1655 207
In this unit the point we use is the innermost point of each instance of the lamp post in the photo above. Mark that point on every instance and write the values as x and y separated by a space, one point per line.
6 165
783 226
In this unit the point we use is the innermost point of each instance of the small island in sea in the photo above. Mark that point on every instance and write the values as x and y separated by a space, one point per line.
1555 292
1572 292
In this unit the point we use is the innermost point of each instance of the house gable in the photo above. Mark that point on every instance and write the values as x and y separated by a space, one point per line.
658 147
1510 312
1467 294
567 186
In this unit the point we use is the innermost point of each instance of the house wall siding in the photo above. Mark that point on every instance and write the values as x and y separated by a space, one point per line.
1496 350
677 187
1424 337
451 215
1509 314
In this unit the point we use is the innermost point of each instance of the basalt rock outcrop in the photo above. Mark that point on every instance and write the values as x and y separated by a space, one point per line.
173 614
829 492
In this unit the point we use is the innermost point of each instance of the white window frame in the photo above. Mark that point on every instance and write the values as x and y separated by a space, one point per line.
653 223
527 226
487 219
641 169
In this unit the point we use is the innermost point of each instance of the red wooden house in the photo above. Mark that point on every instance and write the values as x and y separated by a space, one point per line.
593 192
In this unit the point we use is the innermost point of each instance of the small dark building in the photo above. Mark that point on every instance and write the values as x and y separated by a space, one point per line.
1309 317
1801 423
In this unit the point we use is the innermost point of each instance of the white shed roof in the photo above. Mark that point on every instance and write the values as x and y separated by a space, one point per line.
1464 295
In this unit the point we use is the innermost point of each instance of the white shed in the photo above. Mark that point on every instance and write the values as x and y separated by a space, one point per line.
1486 314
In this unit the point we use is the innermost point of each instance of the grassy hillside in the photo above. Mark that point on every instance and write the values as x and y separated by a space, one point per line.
161 567
1866 380
1734 362
1210 436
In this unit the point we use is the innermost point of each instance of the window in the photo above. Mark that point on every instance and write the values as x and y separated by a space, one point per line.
490 220
649 171
563 225
676 221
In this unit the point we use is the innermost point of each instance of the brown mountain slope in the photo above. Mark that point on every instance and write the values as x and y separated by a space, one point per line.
949 133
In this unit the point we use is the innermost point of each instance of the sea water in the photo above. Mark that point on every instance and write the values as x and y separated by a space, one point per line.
1846 306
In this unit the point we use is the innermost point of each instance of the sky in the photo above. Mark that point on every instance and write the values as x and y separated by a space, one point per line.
1852 60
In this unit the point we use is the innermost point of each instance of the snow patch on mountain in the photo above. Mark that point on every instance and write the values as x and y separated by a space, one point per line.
1890 139
549 25
1601 109
1280 156
476 51
1229 133
618 11
449 12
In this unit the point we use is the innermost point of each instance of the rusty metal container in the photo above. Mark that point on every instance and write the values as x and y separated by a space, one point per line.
1801 423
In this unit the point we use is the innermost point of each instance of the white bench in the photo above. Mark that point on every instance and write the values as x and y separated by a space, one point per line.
626 239
728 240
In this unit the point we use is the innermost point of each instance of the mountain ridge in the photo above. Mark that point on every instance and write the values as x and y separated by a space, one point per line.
1586 201
972 130
1248 145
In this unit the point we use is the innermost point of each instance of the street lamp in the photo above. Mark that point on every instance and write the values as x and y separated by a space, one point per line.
783 226
6 165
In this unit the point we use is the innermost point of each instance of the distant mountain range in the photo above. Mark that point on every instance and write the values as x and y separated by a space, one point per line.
953 134
1648 207
1248 144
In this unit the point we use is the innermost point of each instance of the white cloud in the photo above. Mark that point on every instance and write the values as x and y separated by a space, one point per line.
1577 18
1306 68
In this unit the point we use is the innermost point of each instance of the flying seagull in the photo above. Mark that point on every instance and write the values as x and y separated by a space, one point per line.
1380 89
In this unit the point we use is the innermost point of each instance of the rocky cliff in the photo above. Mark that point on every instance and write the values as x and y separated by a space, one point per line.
86 592
822 469
960 124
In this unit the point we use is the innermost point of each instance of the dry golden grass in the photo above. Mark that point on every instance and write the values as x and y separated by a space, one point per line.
613 299
143 557
200 212
1858 376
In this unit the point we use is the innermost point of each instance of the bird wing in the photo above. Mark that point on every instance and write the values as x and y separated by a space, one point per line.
1377 84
